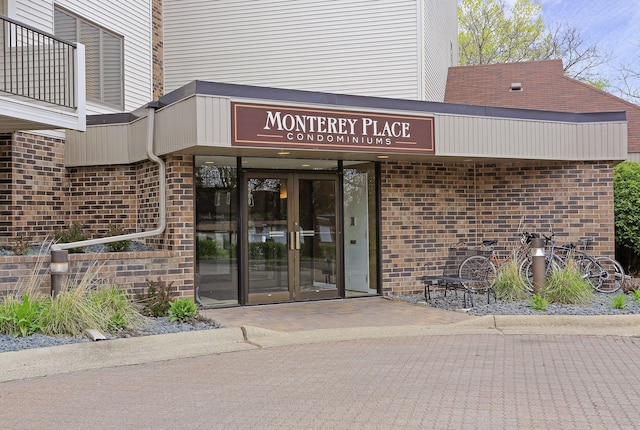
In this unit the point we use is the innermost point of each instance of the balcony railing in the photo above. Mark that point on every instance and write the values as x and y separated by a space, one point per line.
37 65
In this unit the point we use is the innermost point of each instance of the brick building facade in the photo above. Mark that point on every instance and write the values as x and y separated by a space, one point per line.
488 174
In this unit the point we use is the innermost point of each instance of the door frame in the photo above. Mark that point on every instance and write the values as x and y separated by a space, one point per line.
293 292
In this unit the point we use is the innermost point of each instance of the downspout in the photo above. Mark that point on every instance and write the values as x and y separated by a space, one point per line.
60 249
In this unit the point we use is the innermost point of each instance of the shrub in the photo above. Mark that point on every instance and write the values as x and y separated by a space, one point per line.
72 234
80 305
618 301
182 309
538 303
565 285
267 250
119 246
117 310
157 300
70 313
209 248
22 246
509 285
22 316
76 309
626 190
636 296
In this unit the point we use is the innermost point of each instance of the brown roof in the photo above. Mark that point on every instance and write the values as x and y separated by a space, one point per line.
544 87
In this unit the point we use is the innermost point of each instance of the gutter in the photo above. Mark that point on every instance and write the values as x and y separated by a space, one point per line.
151 109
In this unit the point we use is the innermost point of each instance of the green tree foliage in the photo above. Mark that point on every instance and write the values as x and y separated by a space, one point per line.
490 33
486 35
626 186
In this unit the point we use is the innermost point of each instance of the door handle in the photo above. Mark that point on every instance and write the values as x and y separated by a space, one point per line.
294 240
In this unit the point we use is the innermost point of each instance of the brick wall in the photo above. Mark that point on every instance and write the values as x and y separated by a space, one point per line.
5 188
133 201
102 196
148 200
180 233
32 187
428 207
39 197
157 48
126 269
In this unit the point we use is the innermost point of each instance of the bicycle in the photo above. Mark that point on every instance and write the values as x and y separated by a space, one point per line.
485 268
604 274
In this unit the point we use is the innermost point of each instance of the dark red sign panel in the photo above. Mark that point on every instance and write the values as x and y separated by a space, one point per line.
278 126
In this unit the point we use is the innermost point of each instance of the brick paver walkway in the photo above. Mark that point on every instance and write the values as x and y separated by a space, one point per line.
426 382
327 314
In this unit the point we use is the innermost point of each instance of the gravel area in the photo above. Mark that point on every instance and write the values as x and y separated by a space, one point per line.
601 305
44 248
150 326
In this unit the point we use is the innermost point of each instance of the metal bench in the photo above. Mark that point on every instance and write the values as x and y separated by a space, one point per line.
450 280
469 287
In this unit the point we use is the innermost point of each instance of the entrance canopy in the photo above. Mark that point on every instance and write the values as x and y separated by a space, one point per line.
237 120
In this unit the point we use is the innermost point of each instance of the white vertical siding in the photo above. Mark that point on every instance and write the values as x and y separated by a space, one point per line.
130 19
505 138
591 136
440 18
633 156
358 47
99 145
197 121
176 126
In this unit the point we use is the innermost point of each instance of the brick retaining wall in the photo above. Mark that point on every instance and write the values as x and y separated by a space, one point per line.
125 269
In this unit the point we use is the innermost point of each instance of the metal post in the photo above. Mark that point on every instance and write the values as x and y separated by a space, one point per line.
538 264
59 269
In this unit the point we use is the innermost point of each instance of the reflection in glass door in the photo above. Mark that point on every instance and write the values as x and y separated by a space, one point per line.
267 228
291 239
316 212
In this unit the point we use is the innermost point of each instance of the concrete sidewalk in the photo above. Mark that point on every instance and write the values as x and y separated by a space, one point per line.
299 323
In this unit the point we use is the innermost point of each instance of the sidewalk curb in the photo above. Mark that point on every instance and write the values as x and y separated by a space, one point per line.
37 362
53 360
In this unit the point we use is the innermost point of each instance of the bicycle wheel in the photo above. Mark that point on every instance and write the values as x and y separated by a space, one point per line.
611 274
523 269
589 270
478 268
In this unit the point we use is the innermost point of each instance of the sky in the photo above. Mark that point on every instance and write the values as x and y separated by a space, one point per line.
614 25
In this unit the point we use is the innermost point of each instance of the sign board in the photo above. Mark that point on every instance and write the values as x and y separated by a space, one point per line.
280 127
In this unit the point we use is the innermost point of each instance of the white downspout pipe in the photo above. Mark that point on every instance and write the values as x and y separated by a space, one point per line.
162 222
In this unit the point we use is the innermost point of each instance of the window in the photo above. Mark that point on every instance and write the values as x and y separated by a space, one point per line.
103 57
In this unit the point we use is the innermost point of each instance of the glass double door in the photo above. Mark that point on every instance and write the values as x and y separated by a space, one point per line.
291 238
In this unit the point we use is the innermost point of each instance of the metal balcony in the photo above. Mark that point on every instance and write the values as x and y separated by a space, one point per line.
41 80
